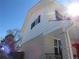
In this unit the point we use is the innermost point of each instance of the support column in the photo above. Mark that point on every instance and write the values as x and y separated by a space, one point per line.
68 46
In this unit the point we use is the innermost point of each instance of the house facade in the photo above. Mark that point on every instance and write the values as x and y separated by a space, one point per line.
45 33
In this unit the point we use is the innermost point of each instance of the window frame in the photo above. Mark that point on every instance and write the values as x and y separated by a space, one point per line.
37 21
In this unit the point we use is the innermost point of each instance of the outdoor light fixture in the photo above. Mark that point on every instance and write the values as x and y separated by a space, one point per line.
73 9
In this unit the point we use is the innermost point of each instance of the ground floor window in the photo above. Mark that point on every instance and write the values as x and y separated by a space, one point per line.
57 49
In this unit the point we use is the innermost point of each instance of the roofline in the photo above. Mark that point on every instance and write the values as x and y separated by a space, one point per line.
28 14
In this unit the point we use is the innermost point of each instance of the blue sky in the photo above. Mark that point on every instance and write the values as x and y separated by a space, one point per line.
13 13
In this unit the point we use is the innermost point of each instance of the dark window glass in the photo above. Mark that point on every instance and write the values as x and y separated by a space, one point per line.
55 42
56 51
60 49
35 22
32 25
59 42
39 19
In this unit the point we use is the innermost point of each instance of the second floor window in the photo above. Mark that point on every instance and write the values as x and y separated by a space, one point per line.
32 25
37 21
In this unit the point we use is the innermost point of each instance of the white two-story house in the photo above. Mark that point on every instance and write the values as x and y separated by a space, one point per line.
45 32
